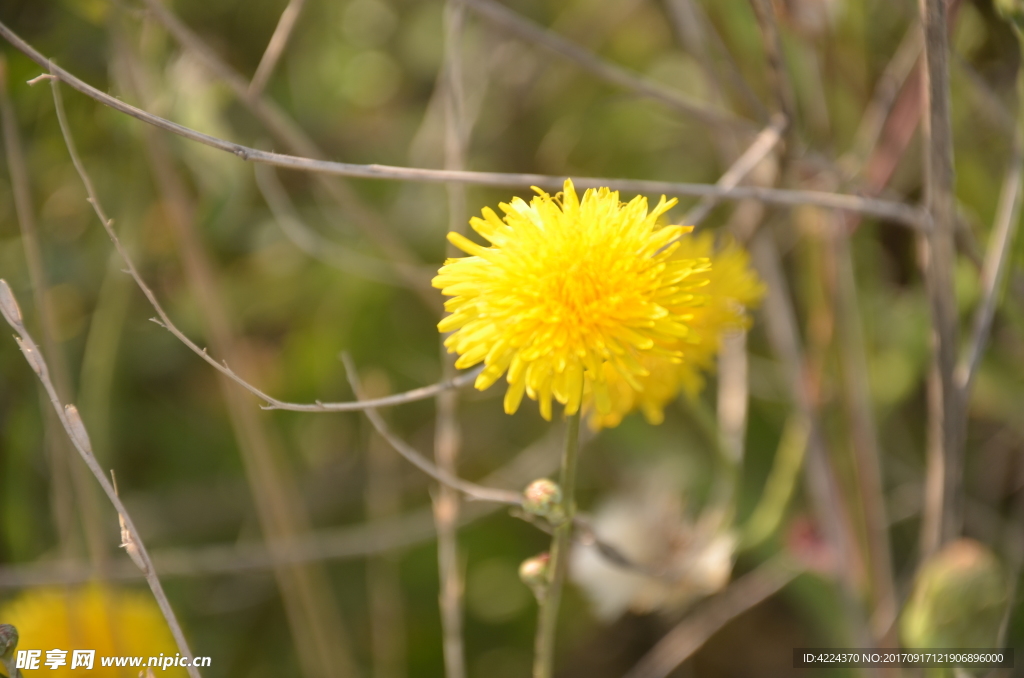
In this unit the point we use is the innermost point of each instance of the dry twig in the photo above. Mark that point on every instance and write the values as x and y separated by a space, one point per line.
272 403
511 22
997 256
883 209
471 490
448 432
289 134
275 48
762 145
943 514
76 431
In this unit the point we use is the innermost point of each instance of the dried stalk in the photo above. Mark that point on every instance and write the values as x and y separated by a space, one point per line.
79 436
275 48
872 123
291 136
943 511
906 215
63 475
997 257
695 32
448 432
778 76
316 625
442 476
822 485
762 145
866 446
272 403
383 574
524 29
355 541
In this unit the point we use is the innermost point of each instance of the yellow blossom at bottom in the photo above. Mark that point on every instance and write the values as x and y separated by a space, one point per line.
732 287
113 622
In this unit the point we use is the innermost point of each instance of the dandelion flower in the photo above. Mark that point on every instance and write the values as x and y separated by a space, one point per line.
110 621
731 288
571 294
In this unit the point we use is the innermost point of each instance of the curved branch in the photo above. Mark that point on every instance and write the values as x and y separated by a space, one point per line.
471 490
883 209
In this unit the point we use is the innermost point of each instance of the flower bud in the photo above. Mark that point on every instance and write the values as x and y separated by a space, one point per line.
77 428
9 305
543 498
958 599
535 573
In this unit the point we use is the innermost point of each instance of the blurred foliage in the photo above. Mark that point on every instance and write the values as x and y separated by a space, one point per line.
360 77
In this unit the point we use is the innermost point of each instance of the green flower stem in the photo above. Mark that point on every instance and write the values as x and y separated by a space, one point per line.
544 647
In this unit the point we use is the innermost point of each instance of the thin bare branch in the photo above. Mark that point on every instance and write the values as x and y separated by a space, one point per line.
275 48
272 403
355 541
700 37
819 473
997 257
64 476
883 209
384 595
709 617
889 84
288 133
762 145
447 429
345 543
867 449
414 457
778 76
315 623
524 29
943 518
75 428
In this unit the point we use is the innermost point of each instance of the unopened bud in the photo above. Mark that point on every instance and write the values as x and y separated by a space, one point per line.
958 599
77 428
8 641
535 573
9 305
543 498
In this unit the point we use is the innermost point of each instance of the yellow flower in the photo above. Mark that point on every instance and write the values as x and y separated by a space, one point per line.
112 622
732 287
571 294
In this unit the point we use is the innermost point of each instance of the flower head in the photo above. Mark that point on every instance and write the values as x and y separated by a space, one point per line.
112 622
571 295
732 287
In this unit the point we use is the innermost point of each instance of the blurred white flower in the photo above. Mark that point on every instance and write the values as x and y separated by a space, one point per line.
679 559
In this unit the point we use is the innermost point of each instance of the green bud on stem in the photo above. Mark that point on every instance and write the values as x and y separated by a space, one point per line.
543 498
535 573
